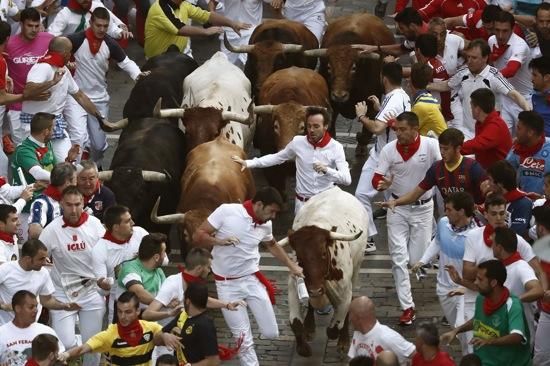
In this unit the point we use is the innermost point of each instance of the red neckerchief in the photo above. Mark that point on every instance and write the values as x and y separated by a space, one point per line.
411 148
93 41
7 237
270 286
250 210
41 151
109 236
498 51
525 151
488 230
83 218
226 353
322 142
88 198
189 278
53 58
74 6
132 333
31 362
514 195
490 307
545 306
52 192
511 259
2 181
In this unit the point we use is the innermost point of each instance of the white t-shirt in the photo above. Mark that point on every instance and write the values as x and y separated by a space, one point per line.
14 278
381 338
9 251
42 72
451 59
18 341
394 103
232 220
71 251
172 288
519 51
407 174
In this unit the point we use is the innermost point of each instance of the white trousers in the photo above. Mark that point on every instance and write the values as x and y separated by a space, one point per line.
250 289
542 341
315 22
409 233
19 131
454 311
61 148
365 192
4 162
90 323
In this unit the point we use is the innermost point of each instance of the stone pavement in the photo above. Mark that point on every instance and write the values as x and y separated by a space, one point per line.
375 280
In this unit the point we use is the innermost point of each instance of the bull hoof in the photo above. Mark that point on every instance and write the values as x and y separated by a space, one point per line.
303 349
332 333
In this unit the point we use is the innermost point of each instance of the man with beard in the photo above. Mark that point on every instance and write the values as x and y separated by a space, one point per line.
540 76
501 336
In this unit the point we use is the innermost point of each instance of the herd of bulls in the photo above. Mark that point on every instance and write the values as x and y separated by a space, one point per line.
182 123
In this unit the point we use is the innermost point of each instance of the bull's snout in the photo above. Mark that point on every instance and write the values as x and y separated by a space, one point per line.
316 293
340 96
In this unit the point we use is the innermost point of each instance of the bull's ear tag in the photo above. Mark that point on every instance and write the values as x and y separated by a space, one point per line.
334 228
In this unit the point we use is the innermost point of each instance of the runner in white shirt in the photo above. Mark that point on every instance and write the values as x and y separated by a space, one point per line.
402 165
9 226
395 102
28 273
169 300
449 46
235 232
511 56
70 240
92 50
310 13
448 243
17 335
119 244
370 337
320 159
476 75
521 280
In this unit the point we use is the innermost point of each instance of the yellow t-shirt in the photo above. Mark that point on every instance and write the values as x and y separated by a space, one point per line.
164 21
120 352
428 110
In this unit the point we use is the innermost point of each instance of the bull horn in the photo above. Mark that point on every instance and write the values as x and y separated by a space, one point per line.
167 113
165 219
345 237
264 109
105 175
283 242
118 125
151 176
232 116
236 49
316 52
292 48
371 55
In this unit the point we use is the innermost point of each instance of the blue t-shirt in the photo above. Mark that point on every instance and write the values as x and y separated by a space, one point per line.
531 170
542 107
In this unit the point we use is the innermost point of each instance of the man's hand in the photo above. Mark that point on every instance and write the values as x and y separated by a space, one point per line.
73 153
171 341
457 292
417 266
228 241
125 34
276 4
72 307
238 26
386 204
27 193
235 304
38 96
296 270
143 74
546 296
389 59
9 84
375 101
63 357
478 342
447 338
40 184
384 183
320 168
365 48
532 40
453 273
104 284
238 160
176 310
361 109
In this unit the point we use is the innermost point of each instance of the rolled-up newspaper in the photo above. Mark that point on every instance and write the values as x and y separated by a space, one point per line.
22 177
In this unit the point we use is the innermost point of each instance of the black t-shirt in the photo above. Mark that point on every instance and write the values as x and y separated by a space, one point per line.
198 336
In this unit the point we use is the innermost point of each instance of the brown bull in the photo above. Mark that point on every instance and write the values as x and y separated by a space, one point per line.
275 44
210 179
284 99
352 77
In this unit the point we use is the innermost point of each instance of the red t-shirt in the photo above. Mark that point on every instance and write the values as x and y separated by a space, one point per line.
441 359
3 73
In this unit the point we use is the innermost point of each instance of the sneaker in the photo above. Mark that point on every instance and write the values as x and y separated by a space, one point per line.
324 311
370 247
379 214
408 317
8 144
445 322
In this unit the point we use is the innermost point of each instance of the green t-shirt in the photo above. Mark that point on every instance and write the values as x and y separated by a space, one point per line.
30 154
509 318
133 272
